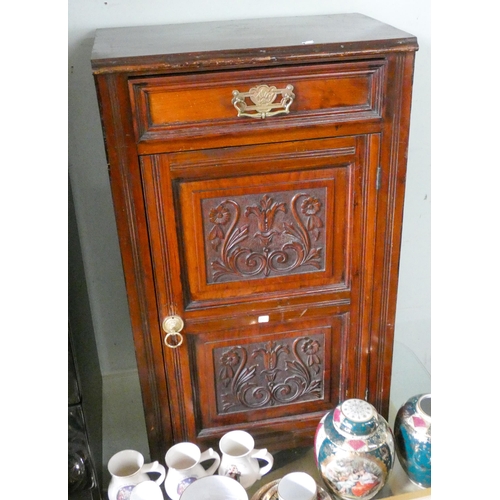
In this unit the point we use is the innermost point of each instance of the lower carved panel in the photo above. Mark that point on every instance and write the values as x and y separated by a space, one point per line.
271 373
263 373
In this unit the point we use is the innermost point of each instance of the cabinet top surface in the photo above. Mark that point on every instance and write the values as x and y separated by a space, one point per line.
268 39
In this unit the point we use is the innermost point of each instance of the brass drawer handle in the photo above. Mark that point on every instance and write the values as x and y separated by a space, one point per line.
263 98
172 325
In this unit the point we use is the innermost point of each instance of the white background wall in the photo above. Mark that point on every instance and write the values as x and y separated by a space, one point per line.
33 208
88 170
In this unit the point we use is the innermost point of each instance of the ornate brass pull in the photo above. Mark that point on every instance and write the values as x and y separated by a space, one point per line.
263 98
172 326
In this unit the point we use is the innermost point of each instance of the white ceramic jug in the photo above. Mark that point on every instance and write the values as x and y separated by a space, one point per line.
184 467
127 469
239 458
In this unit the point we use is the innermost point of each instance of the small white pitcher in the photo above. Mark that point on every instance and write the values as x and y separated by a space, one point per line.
239 458
127 469
184 467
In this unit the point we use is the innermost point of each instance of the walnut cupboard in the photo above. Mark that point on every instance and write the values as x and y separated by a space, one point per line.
257 170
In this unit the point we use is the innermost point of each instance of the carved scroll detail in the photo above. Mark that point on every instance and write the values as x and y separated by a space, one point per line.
269 373
254 241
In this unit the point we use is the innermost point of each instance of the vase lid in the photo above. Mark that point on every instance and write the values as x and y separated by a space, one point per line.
357 410
356 416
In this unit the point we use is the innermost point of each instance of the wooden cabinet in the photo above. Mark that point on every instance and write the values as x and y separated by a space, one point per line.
257 170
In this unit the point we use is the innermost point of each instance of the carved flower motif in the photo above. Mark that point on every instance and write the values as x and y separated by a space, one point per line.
310 348
265 213
219 215
310 206
270 354
228 360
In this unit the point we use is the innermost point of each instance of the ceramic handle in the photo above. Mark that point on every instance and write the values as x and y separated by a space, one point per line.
207 455
155 467
264 455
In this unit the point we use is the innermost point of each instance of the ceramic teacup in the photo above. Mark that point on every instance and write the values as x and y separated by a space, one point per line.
297 486
148 490
214 488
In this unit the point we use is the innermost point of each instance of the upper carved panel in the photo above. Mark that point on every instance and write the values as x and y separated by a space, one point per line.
257 236
267 233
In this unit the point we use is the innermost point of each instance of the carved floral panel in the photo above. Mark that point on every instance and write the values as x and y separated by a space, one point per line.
271 373
264 235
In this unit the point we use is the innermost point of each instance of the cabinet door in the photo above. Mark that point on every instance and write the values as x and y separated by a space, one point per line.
266 253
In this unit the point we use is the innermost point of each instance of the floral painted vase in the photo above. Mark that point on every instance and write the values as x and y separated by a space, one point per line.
412 434
354 449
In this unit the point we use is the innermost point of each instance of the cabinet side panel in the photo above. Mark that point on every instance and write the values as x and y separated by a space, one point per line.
389 225
131 223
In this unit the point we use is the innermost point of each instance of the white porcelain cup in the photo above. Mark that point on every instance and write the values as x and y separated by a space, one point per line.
148 490
215 488
297 486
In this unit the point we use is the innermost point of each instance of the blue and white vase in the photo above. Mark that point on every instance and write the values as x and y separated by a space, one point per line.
354 449
412 433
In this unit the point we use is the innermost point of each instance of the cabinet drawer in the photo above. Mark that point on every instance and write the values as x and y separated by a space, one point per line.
181 108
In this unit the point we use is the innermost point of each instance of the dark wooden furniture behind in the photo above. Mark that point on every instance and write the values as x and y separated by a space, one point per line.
257 170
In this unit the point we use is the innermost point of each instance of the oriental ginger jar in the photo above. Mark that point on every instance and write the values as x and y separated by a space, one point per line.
354 449
412 434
